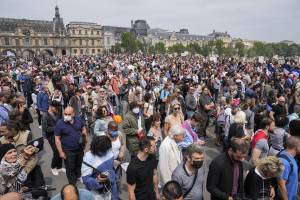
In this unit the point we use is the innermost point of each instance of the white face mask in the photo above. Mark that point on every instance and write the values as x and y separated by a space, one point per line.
136 110
68 118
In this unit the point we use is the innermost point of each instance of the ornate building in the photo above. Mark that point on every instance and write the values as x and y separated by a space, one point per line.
25 37
171 38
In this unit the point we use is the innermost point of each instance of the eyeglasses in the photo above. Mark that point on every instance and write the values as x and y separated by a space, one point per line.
177 108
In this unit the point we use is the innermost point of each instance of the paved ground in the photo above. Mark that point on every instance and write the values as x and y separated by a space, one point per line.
59 181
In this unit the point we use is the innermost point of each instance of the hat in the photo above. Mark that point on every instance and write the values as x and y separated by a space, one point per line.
4 148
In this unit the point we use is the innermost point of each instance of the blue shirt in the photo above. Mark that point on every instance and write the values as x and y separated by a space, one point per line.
292 180
70 133
83 195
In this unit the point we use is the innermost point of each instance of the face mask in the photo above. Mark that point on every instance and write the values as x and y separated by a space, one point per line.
113 134
136 110
67 118
197 164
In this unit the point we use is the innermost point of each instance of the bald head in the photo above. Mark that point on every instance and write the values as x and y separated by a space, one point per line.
69 110
69 192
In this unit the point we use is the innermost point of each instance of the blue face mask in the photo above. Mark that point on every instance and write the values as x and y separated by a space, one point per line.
113 133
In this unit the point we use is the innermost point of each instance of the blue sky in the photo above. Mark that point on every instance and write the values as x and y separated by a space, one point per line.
267 20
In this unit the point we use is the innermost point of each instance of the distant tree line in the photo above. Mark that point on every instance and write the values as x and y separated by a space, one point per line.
129 44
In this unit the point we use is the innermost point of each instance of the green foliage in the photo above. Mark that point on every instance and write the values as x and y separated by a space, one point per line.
177 48
117 48
129 43
158 48
240 48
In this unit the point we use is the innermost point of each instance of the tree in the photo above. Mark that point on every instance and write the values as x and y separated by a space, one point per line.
219 46
160 48
240 48
194 48
117 48
129 43
177 48
230 51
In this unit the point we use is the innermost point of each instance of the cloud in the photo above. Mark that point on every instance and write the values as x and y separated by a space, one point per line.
268 20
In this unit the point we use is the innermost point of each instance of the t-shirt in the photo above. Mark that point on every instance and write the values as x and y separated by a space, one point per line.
185 180
263 146
140 173
70 133
292 180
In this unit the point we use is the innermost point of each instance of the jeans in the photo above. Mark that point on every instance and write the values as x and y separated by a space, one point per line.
56 160
73 164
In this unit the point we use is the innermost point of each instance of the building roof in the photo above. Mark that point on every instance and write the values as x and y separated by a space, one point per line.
163 34
84 25
39 26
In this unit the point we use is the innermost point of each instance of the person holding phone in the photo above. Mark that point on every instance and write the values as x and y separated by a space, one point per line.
13 173
97 170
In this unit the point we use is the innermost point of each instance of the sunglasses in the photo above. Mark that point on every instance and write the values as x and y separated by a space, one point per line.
177 108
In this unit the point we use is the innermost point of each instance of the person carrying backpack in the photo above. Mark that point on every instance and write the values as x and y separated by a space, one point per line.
288 181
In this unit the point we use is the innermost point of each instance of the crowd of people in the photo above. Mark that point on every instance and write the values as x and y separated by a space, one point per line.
162 111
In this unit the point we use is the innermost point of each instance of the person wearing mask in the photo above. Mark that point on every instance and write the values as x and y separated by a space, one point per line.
133 127
70 140
190 174
288 181
259 144
225 175
170 155
49 121
142 181
172 191
118 149
260 182
190 102
102 183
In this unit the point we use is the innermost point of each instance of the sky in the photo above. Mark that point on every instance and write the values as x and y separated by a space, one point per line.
265 20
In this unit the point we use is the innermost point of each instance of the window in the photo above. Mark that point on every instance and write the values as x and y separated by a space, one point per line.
26 41
75 51
93 42
73 32
108 40
79 32
87 43
92 32
45 41
93 51
80 42
36 42
87 51
81 51
6 41
17 42
97 32
98 50
86 32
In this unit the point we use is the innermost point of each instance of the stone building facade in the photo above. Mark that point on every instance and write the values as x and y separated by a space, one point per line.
23 37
